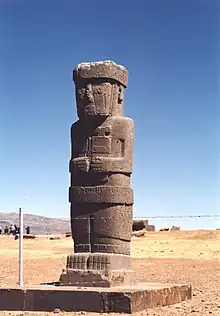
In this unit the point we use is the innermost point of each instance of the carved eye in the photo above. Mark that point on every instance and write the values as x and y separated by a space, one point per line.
120 95
81 93
89 94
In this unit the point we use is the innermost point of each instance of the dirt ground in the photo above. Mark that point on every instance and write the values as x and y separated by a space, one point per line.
191 257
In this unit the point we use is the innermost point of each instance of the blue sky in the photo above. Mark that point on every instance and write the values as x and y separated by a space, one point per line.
171 51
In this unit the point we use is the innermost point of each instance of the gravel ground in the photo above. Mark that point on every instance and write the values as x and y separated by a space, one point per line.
202 274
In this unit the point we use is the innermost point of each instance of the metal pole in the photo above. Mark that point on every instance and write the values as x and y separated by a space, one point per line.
21 247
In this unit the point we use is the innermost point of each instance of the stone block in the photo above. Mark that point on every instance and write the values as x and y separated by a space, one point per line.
96 278
11 299
174 228
139 224
121 299
97 270
64 300
150 228
139 233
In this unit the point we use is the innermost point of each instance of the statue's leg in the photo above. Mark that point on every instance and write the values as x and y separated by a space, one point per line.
80 225
111 229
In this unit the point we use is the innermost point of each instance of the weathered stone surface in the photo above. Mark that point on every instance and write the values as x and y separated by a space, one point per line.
139 224
139 233
98 261
64 300
101 70
11 299
101 194
121 299
96 278
101 146
100 166
150 228
108 229
99 89
174 228
97 269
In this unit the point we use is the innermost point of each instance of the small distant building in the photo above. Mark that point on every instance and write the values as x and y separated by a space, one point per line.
142 224
150 228
173 228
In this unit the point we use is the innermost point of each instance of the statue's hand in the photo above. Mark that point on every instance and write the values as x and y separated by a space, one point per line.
79 165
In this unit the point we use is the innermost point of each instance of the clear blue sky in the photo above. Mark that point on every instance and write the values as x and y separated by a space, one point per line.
171 51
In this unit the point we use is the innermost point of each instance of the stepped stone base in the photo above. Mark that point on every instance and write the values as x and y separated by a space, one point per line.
98 261
121 299
96 278
97 270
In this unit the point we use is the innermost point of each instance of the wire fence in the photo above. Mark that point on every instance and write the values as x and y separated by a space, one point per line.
186 222
183 216
168 216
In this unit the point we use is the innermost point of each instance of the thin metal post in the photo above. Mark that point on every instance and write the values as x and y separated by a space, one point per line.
21 226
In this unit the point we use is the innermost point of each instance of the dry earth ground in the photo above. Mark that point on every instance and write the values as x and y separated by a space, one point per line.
191 257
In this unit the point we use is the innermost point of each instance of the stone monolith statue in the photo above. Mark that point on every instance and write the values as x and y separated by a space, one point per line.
101 165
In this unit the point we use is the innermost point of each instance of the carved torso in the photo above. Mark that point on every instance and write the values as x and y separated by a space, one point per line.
105 149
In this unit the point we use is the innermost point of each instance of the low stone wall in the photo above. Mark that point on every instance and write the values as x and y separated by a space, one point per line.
139 225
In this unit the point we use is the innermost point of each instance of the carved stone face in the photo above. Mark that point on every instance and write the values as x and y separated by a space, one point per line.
100 89
99 97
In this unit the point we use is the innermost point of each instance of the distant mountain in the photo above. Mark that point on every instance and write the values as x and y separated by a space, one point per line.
38 224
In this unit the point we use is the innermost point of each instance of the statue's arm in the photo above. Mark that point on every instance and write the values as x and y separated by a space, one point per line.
79 149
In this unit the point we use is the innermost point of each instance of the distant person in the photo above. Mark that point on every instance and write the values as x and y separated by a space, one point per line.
6 230
11 229
14 230
28 230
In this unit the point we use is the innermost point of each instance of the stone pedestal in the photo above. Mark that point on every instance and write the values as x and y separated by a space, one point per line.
97 270
121 299
96 278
